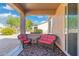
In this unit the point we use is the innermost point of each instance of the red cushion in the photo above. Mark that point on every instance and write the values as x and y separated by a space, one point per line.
47 39
23 39
52 37
26 42
45 42
43 36
21 36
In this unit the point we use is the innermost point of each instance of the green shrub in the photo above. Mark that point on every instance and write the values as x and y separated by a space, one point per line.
8 31
38 31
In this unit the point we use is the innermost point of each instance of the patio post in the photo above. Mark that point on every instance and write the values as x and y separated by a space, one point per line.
22 24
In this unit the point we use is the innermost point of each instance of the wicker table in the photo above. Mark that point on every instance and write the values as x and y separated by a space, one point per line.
33 38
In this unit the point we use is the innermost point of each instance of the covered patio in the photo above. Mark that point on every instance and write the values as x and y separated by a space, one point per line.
56 12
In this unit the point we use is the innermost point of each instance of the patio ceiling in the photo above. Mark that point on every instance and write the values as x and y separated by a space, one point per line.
36 8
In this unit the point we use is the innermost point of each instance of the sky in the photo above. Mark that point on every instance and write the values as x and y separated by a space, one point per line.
6 10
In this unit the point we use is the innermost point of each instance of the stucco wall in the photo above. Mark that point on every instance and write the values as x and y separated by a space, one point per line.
58 26
44 27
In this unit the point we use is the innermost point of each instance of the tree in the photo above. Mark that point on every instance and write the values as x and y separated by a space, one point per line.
29 24
10 21
13 21
17 22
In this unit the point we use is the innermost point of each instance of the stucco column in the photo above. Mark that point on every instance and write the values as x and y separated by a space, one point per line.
50 24
22 24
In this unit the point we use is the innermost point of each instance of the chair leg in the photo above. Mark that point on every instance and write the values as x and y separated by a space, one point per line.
54 47
23 45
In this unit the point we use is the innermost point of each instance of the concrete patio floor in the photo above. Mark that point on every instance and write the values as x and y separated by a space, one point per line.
7 44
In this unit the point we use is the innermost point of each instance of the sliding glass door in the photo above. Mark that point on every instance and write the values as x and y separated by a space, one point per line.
71 26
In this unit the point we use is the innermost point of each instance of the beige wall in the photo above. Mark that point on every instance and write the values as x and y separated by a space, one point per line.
44 27
58 27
